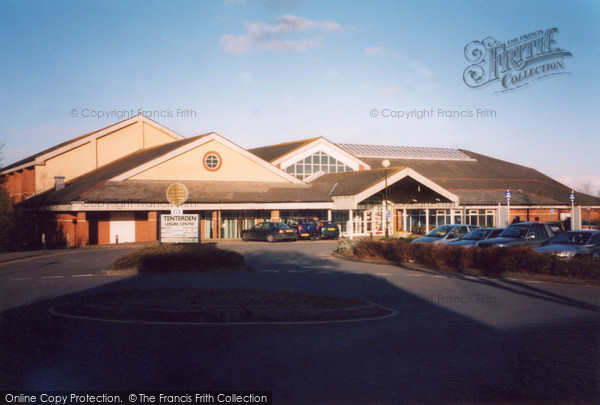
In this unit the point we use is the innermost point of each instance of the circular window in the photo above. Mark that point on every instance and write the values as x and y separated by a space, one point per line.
212 161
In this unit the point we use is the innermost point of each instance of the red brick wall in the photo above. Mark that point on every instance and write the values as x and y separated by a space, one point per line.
145 226
20 184
104 230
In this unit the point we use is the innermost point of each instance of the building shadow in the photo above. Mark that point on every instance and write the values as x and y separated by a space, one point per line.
425 354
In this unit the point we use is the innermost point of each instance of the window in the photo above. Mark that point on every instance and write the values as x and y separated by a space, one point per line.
480 217
538 231
212 161
318 161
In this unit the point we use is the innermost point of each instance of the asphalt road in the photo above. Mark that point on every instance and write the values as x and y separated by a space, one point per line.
455 339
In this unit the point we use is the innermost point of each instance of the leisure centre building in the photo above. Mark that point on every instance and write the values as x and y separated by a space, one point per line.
109 186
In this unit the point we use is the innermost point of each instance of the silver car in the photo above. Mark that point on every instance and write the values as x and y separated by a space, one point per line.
573 244
446 233
532 234
471 239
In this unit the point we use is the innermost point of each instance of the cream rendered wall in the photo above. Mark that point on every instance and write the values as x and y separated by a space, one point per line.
155 137
98 152
120 143
189 166
69 164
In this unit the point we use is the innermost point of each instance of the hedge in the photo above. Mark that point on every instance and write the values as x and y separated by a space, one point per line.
174 258
490 261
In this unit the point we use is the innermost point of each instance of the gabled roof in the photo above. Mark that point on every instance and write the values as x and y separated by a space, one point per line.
360 185
350 183
483 180
206 138
83 139
87 182
273 152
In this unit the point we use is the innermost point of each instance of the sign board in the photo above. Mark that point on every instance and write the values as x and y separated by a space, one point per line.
177 194
508 195
179 228
572 197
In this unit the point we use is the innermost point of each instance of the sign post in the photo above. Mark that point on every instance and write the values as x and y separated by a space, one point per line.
508 197
179 227
572 198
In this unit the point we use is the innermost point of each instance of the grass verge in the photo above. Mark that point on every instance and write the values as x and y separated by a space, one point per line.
176 258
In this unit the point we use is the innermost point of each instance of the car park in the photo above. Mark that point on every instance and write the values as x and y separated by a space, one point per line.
556 226
270 231
476 235
306 227
531 234
327 230
590 225
446 233
573 244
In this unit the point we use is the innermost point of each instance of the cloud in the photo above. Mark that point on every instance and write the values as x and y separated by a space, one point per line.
381 51
271 37
389 91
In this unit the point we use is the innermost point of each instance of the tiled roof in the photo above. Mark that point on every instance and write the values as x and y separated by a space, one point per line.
483 180
350 183
272 152
153 191
89 181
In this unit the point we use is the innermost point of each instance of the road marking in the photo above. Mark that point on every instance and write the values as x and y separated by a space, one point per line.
269 271
392 314
296 271
82 275
382 274
413 275
21 278
317 267
53 277
533 281
438 276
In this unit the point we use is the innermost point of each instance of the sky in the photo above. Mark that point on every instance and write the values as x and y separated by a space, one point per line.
270 71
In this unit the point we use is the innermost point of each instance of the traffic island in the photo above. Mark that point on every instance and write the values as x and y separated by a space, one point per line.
191 306
173 258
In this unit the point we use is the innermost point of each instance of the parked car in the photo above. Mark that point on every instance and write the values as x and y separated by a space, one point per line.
531 234
476 235
556 226
445 233
270 231
590 225
327 230
573 244
307 228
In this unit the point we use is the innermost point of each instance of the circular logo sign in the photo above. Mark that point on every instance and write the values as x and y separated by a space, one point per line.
177 194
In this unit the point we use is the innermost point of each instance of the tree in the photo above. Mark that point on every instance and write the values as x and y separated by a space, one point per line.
7 216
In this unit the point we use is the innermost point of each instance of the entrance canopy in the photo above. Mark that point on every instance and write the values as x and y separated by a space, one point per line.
405 186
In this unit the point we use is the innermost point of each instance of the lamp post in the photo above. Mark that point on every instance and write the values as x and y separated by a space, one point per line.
386 163
572 198
508 197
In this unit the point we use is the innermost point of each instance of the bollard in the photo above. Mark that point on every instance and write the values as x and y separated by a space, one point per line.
68 241
44 241
117 239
